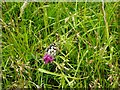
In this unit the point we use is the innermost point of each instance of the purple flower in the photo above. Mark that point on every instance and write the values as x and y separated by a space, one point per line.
47 58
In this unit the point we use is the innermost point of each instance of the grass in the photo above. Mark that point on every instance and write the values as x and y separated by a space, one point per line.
87 35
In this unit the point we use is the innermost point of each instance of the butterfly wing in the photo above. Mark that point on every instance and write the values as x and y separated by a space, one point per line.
51 50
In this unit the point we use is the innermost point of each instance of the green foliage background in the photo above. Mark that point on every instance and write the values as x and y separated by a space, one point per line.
87 35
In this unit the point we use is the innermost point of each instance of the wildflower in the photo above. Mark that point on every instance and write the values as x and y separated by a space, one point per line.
48 58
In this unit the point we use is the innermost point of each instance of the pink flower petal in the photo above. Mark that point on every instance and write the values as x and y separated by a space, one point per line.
47 58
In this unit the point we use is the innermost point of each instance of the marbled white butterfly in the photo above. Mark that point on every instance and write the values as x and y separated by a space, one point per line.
50 53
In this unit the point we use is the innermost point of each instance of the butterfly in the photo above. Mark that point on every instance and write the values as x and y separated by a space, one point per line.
50 53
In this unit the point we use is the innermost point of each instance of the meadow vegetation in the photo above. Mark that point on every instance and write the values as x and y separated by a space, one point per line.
87 35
